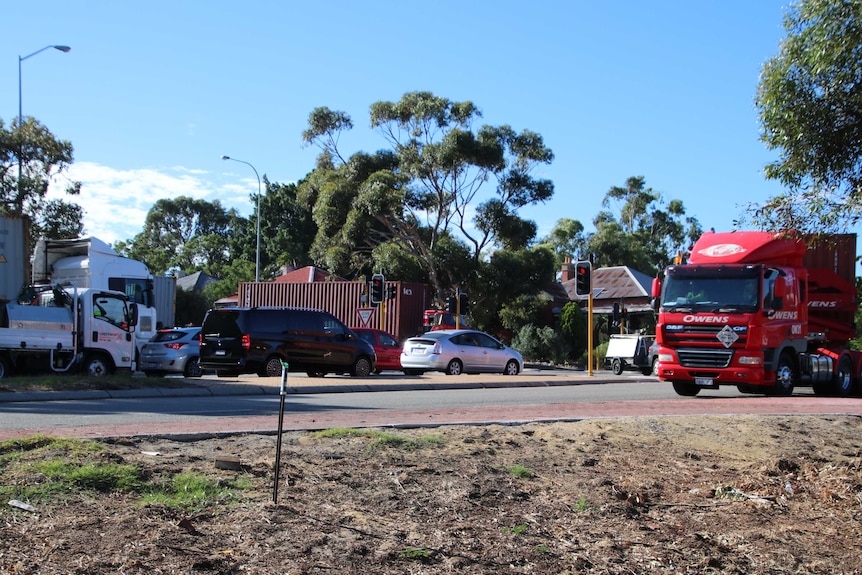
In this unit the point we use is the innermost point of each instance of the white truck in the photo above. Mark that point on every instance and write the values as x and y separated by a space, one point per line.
91 263
65 328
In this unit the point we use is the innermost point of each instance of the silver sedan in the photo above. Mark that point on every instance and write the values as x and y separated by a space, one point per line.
459 351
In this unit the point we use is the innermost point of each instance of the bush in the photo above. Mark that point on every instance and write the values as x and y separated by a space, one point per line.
540 344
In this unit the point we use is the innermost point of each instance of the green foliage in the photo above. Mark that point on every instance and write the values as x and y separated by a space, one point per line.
499 283
566 240
42 158
540 344
808 99
184 234
641 234
573 328
422 191
191 307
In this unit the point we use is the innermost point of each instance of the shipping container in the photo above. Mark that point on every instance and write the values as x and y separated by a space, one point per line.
401 316
14 255
165 296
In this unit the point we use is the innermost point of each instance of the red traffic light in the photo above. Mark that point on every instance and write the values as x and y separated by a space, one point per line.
583 278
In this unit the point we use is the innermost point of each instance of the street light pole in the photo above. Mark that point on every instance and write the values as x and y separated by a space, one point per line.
257 256
21 105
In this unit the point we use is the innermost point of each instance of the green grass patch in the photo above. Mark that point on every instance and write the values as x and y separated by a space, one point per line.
522 472
42 470
380 438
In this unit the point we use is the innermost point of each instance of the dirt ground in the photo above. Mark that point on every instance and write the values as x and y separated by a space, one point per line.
742 494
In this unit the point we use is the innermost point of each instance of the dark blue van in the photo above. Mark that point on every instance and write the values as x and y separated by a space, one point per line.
235 341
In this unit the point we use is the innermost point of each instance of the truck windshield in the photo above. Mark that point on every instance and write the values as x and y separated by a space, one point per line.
691 293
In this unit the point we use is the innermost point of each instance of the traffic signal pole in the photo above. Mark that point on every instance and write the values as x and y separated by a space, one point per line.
590 333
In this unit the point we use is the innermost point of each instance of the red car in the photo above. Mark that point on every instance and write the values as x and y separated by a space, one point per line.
386 347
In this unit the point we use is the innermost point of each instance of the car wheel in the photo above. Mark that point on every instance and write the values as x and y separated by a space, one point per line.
655 366
272 367
362 368
192 369
841 384
512 368
455 367
617 366
95 365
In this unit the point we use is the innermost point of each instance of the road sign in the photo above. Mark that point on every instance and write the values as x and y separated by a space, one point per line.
365 315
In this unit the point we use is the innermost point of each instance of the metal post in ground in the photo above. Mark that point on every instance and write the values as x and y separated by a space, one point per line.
282 394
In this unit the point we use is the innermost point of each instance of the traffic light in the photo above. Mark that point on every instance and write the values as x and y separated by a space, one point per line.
377 282
451 304
463 303
616 315
583 279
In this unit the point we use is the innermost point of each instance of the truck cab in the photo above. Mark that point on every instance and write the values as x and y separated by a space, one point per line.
750 309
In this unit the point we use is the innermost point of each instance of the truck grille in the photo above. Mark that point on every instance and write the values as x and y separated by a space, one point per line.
704 357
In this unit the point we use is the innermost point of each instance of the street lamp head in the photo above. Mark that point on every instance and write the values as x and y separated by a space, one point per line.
225 157
63 48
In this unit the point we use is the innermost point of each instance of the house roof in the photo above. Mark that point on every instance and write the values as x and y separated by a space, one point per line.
615 284
195 282
308 274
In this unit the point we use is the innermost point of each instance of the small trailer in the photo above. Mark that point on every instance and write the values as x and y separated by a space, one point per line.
630 351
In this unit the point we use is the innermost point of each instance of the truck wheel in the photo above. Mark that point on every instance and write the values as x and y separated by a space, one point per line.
362 368
617 366
685 388
4 368
785 376
95 365
841 383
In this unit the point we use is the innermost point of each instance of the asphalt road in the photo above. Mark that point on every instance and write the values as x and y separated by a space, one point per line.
251 404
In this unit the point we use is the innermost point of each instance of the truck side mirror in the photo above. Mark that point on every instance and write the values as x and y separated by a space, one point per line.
779 290
655 292
133 314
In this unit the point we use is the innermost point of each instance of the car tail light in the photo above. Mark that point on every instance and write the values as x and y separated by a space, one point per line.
175 345
246 341
436 350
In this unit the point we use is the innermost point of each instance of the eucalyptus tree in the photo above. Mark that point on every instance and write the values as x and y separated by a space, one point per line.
41 158
637 230
433 189
809 100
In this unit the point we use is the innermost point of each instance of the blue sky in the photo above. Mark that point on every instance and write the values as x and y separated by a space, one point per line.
152 95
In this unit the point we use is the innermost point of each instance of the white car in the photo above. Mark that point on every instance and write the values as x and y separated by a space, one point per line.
459 351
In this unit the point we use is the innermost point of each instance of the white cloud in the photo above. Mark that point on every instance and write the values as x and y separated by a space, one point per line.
116 202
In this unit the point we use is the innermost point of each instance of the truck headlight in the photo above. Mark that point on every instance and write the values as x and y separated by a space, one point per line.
665 357
750 360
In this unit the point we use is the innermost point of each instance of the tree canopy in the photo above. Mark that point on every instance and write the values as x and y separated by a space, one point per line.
42 157
425 196
810 105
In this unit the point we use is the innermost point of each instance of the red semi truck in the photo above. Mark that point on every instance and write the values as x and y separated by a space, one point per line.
760 311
